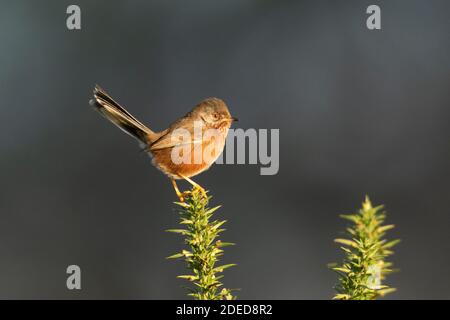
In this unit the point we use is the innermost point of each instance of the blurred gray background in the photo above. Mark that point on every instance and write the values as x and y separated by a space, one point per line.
359 112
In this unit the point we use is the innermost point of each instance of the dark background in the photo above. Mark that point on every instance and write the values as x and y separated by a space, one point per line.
359 112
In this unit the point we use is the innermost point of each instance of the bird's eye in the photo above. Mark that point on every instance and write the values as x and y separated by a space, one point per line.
215 115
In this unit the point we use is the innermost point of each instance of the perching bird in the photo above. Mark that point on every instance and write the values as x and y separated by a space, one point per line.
178 151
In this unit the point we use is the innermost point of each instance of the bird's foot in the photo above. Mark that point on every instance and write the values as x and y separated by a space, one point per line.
195 186
183 195
201 190
188 193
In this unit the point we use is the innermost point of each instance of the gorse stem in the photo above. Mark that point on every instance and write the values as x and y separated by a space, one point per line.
204 249
364 266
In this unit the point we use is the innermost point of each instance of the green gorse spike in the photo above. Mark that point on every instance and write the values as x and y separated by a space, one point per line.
204 249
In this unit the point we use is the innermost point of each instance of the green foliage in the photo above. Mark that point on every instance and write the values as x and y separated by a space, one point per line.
200 235
364 267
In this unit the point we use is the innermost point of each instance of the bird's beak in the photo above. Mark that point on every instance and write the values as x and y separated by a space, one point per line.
234 119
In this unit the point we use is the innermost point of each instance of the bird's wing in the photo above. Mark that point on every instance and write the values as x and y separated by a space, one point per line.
168 142
180 133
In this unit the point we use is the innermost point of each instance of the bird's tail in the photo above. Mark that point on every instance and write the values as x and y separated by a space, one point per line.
112 111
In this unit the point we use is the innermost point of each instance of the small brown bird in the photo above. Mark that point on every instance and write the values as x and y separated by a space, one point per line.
178 151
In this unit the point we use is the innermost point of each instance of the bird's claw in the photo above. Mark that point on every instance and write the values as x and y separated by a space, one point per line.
195 188
182 195
203 191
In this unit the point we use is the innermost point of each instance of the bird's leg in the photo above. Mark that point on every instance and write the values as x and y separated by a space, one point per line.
195 185
180 194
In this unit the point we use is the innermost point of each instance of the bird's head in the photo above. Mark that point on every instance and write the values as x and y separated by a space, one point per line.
214 112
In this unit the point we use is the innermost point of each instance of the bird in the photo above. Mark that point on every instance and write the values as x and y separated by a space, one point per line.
205 127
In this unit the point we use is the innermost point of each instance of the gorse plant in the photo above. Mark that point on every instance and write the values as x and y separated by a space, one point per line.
204 248
364 267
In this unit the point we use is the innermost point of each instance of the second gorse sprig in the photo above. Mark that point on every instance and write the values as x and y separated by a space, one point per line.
364 268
